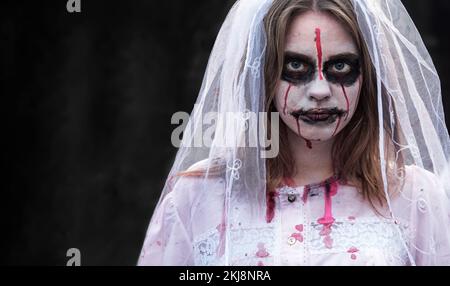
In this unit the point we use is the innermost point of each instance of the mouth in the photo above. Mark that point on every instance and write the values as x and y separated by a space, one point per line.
318 115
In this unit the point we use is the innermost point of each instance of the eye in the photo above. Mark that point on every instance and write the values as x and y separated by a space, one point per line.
296 66
297 69
343 70
340 67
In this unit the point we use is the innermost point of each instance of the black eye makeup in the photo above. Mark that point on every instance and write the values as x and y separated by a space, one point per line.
342 69
297 69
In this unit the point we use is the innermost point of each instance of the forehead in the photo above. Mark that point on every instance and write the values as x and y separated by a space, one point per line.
301 35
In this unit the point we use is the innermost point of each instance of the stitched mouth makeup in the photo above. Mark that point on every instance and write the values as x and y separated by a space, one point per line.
322 116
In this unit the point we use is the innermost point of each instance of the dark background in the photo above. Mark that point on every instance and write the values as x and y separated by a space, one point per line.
86 105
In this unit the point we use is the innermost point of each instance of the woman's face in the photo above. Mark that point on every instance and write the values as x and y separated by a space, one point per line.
318 91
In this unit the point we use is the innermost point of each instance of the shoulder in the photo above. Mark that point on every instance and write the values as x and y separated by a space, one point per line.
201 182
420 179
421 191
427 207
197 198
199 165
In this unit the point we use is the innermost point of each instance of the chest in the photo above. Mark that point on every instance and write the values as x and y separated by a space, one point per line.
296 235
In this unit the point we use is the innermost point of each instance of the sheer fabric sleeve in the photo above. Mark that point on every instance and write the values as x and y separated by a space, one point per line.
168 239
429 216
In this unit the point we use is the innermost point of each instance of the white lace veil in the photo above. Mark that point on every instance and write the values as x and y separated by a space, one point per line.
410 104
221 163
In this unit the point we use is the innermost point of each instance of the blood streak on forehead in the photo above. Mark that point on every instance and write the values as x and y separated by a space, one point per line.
319 53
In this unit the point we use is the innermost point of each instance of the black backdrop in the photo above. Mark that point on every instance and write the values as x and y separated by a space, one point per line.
86 105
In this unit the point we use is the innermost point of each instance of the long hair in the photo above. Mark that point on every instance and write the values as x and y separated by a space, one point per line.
358 163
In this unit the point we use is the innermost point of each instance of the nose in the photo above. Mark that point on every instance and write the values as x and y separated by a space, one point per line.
319 90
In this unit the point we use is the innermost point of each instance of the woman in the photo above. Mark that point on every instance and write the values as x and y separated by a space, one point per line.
358 171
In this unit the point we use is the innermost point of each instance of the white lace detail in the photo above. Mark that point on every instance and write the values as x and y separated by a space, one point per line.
234 168
375 238
205 249
246 244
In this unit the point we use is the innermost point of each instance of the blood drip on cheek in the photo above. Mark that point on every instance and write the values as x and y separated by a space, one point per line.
347 110
286 98
308 142
337 126
346 100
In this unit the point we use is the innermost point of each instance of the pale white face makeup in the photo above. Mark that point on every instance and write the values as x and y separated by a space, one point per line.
318 92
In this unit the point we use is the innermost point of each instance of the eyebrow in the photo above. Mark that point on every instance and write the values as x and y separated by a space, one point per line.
350 56
294 55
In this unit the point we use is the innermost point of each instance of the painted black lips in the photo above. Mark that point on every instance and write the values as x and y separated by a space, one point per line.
318 115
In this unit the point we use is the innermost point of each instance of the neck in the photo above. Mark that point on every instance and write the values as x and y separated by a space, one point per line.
311 165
